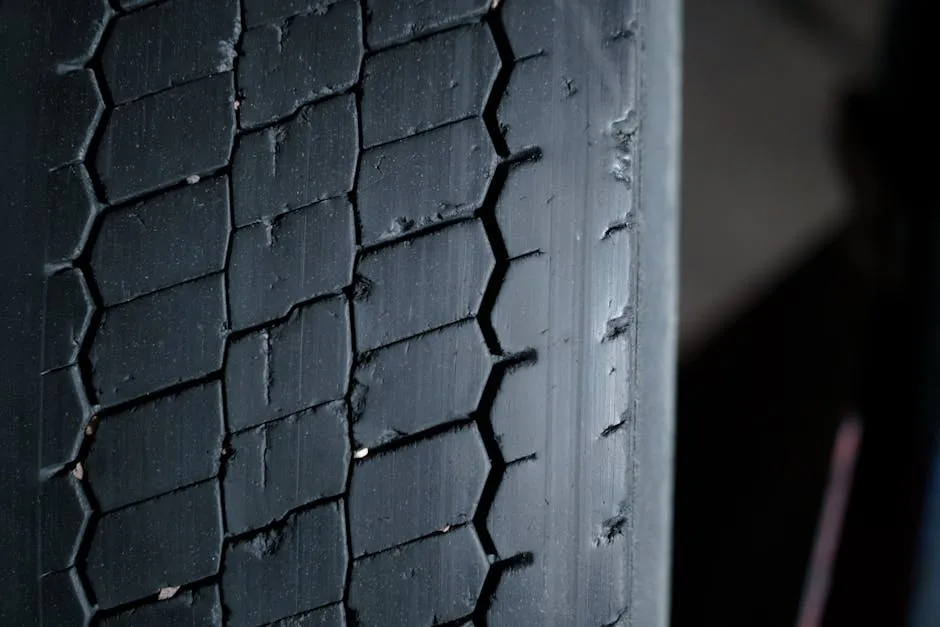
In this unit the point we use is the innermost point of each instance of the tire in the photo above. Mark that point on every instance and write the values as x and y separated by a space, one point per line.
350 312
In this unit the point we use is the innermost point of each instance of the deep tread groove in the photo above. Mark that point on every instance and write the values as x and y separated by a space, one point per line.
350 293
225 453
411 438
102 615
400 545
507 60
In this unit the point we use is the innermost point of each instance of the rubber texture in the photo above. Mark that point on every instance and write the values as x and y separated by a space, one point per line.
354 312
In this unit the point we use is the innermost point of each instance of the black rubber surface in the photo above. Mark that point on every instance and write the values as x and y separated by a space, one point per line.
351 312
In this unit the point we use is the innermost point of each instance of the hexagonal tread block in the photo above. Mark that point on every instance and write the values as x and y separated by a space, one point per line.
310 157
65 413
275 70
282 465
513 602
68 312
161 242
135 63
416 490
140 148
515 521
74 29
424 179
156 447
62 599
422 284
285 571
520 315
169 541
402 386
429 582
299 363
293 258
158 340
70 107
523 209
520 410
192 608
72 206
397 20
531 81
530 27
63 514
427 83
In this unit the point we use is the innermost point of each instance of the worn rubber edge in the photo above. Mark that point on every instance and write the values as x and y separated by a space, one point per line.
657 298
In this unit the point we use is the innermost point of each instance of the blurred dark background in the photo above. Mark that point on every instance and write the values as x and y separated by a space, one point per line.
782 320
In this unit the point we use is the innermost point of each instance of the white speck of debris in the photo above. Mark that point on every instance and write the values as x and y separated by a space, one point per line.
444 529
192 179
237 104
167 593
79 471
361 453
494 4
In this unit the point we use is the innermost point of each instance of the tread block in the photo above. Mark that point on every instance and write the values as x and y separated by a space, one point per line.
427 83
156 447
163 241
290 259
520 410
422 284
403 384
74 29
70 107
140 148
310 157
524 211
530 27
158 340
299 60
169 541
522 121
259 12
289 570
169 44
424 179
189 608
515 522
514 603
397 20
282 465
69 308
429 582
63 512
296 364
72 206
329 616
65 412
520 315
416 490
62 600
